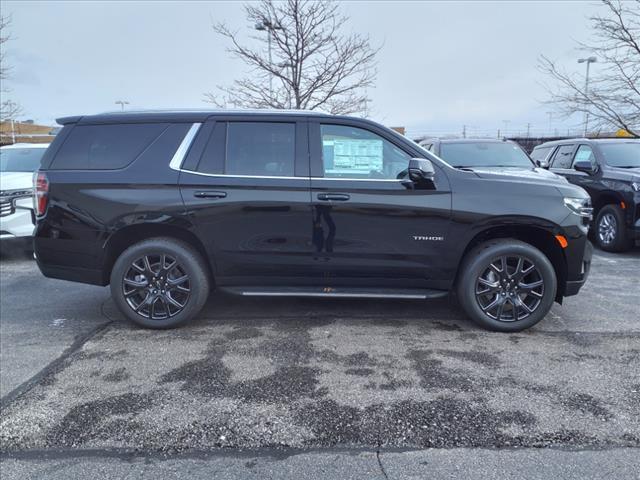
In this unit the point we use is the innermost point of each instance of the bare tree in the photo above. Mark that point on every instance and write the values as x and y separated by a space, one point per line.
303 61
8 108
613 97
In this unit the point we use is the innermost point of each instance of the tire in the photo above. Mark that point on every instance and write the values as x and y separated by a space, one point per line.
525 303
132 288
610 232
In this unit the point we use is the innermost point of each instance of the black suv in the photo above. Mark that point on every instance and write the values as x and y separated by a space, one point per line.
487 154
166 205
609 170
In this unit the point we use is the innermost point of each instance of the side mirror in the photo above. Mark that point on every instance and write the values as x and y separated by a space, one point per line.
584 166
421 169
542 164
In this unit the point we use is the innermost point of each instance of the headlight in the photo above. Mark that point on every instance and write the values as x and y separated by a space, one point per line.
579 206
635 186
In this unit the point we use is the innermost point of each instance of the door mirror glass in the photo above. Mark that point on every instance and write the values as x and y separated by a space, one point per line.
584 166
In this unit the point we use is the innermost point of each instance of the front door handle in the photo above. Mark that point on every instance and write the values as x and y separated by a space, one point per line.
209 194
336 197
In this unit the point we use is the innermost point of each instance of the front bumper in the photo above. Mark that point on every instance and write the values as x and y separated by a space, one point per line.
20 223
572 287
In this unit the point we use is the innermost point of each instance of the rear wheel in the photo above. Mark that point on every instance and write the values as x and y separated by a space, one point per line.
506 285
159 283
610 232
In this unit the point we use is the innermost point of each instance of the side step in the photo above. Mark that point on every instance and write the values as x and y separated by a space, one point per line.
336 292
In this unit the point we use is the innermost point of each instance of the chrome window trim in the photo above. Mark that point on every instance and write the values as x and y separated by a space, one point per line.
275 177
181 152
224 175
357 179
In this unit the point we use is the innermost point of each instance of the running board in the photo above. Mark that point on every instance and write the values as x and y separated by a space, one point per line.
336 292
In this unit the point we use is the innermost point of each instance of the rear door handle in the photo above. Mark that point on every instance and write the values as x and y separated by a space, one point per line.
336 197
209 194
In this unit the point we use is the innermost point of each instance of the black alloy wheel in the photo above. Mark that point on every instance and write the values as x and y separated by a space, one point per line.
160 282
510 288
506 285
156 286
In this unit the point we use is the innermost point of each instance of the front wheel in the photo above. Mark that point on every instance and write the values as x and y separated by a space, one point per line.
506 285
610 231
159 283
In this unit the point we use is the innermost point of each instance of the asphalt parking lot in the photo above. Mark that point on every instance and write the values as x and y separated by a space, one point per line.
284 378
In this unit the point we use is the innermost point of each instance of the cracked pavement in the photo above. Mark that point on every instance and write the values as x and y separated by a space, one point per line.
344 382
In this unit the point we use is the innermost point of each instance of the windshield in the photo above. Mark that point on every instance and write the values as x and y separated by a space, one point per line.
484 154
621 154
20 159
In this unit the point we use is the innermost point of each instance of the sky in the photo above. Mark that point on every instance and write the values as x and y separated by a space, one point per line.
442 65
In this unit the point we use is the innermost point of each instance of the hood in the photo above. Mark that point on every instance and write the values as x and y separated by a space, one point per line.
518 173
624 174
16 181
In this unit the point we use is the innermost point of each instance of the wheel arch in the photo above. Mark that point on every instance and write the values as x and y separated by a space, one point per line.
608 197
538 237
123 238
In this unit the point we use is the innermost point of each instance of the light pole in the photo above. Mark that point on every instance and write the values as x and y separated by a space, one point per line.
122 103
588 61
10 108
269 27
506 126
550 119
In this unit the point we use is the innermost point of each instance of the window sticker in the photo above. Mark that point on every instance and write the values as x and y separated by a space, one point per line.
352 156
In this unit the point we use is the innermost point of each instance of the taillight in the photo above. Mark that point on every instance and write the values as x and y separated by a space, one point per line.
40 193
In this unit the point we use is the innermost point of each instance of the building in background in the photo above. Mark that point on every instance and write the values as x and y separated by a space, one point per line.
25 132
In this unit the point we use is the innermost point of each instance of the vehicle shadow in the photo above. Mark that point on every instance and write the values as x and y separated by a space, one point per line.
14 249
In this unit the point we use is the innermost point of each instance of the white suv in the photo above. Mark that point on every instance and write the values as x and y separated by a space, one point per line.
17 164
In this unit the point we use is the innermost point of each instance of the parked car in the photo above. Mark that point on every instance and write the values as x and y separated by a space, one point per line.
164 206
609 170
17 164
480 152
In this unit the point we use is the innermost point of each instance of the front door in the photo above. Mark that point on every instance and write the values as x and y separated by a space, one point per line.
591 183
369 227
245 183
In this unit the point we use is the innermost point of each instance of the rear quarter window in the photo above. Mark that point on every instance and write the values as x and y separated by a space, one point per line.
105 147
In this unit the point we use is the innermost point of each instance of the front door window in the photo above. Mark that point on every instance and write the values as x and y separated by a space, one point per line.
351 152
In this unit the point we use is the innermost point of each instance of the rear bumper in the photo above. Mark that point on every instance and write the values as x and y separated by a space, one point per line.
572 287
73 274
67 257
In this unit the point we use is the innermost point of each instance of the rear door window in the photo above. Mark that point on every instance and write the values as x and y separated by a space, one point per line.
563 157
105 147
260 148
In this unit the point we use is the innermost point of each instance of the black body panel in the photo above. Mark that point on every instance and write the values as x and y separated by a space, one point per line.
299 228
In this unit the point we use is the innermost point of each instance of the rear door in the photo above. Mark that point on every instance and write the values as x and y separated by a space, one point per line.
245 183
370 227
560 162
